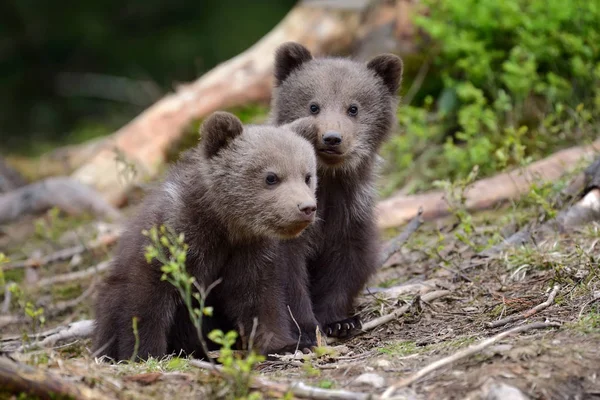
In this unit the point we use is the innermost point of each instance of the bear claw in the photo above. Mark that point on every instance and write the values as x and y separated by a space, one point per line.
344 328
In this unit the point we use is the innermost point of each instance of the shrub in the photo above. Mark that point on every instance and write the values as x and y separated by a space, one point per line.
514 80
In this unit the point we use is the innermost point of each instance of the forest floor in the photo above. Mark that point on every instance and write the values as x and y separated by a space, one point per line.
559 361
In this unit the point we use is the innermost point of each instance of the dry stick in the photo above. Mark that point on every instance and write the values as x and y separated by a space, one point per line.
395 244
297 326
469 351
62 306
64 254
528 313
374 323
298 389
77 330
587 304
20 378
73 276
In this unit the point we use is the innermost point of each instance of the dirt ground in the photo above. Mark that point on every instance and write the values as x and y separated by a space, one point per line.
552 363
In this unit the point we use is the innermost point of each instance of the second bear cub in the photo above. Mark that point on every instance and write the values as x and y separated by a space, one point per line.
235 197
354 106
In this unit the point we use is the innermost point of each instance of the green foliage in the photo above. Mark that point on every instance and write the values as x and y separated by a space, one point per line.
170 249
516 79
3 260
237 370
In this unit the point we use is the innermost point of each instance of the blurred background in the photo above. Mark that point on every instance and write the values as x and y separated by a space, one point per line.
490 84
81 69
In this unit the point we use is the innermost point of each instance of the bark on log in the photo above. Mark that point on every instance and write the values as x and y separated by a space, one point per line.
9 178
19 378
64 193
483 194
323 29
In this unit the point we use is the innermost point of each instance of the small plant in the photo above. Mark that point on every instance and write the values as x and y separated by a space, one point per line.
170 249
3 260
51 226
36 314
237 370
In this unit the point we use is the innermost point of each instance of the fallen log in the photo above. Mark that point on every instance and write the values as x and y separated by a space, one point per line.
9 178
19 378
584 211
328 28
65 193
483 194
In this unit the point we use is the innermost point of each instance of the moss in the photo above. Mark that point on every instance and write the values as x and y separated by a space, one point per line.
400 349
66 292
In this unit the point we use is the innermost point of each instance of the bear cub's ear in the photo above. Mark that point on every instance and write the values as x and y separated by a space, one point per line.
305 127
288 57
389 68
218 130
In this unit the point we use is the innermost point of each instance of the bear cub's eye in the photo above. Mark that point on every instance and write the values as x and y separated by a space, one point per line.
353 111
307 179
271 179
314 108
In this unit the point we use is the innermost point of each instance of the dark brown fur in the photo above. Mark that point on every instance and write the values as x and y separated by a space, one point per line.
343 243
234 223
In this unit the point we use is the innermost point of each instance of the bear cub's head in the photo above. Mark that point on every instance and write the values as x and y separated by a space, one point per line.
260 179
353 103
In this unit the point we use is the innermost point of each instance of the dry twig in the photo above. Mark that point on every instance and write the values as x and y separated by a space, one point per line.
402 310
528 313
73 276
77 330
469 351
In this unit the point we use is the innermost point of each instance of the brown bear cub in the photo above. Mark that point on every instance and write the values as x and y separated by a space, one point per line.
354 106
236 197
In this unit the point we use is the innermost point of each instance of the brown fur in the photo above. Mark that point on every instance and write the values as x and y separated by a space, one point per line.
355 112
234 223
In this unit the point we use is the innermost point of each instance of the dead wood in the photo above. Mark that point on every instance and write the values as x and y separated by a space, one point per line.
528 313
396 243
374 323
20 378
73 276
76 330
469 351
584 211
143 142
405 289
484 193
9 178
64 193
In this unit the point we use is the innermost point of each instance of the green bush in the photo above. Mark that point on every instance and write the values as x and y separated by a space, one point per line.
516 80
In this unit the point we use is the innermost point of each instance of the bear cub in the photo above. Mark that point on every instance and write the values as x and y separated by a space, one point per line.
354 106
237 197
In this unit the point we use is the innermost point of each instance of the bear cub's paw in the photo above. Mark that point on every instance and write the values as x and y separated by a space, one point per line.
344 328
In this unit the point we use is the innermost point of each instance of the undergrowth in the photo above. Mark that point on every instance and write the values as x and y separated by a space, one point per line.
170 249
511 82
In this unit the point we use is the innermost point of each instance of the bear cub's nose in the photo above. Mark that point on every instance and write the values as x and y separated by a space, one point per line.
332 138
308 209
